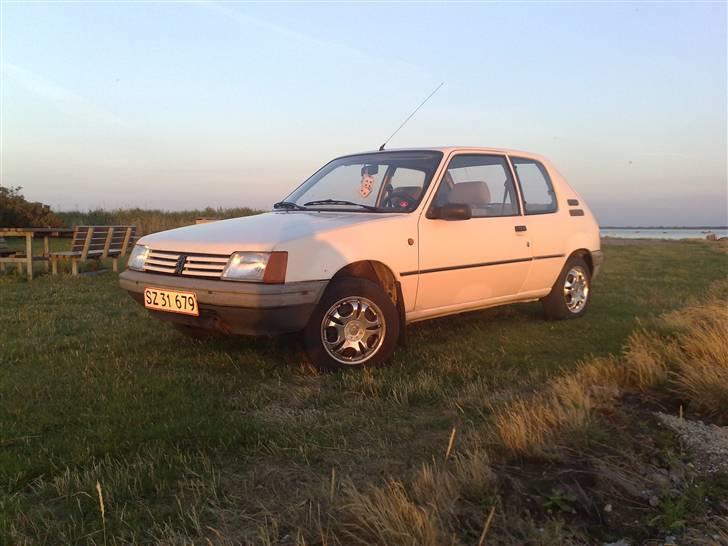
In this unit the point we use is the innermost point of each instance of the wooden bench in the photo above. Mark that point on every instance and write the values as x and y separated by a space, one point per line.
96 243
4 248
5 252
18 257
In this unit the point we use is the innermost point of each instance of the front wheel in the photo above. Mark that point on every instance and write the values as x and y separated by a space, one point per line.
570 295
354 325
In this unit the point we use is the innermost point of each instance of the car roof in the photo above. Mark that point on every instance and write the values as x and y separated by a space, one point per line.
473 149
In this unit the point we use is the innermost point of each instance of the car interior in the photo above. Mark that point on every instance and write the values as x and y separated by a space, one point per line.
477 194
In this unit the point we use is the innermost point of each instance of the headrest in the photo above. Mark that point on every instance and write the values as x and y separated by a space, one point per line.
470 193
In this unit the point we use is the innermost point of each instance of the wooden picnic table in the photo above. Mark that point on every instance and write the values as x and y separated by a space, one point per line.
29 234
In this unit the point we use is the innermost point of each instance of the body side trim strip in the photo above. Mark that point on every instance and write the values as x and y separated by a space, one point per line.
483 264
549 256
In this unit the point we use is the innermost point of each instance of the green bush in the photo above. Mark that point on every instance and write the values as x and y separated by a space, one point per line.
15 211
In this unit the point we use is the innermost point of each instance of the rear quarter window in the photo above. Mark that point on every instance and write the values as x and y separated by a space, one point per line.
537 190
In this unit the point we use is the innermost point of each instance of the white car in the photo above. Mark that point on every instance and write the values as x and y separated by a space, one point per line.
372 242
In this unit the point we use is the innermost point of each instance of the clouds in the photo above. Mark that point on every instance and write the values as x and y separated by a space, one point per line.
297 39
50 92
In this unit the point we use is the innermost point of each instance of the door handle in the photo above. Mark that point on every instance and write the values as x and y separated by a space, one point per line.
521 228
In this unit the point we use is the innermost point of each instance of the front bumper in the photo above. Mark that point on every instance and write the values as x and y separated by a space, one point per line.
234 307
597 262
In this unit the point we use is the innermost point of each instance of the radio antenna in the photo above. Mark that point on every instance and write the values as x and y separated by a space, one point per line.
410 116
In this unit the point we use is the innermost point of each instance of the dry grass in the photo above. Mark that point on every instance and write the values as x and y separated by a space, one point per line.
423 513
643 364
692 362
715 533
528 425
691 358
388 515
701 371
468 476
705 385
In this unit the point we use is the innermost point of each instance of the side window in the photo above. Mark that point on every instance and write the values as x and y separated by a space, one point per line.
482 181
536 189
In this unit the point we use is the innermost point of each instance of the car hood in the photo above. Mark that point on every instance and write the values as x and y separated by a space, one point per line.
260 232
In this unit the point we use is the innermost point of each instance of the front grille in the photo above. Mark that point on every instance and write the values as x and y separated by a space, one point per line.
187 265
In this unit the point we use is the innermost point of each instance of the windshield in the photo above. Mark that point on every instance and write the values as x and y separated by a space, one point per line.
376 182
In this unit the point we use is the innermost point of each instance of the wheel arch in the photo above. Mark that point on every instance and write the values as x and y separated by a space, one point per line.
374 271
381 274
585 255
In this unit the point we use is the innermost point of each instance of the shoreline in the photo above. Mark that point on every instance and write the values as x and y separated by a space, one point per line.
622 241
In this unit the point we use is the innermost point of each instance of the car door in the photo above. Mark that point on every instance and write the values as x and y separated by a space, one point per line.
546 233
472 262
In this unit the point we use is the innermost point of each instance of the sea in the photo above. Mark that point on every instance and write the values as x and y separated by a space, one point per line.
663 233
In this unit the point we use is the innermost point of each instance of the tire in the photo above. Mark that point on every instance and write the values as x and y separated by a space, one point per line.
194 332
354 325
569 298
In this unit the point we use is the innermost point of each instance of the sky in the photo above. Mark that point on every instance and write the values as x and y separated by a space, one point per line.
187 104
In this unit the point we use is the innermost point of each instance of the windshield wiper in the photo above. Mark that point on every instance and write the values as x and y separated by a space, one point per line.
288 205
340 202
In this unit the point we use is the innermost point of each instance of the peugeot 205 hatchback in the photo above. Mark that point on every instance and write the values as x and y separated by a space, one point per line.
372 242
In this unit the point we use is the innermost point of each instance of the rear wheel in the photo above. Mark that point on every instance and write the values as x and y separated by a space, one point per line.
569 297
354 325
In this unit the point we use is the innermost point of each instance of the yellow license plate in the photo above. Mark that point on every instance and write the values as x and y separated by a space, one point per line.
171 301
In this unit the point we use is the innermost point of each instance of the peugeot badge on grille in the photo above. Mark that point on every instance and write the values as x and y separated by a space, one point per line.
180 265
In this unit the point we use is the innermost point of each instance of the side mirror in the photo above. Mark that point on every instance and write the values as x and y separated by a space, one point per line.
454 211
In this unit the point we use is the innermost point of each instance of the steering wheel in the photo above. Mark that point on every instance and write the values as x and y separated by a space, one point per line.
398 198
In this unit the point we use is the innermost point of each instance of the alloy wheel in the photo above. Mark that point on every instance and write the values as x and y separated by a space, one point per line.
576 289
352 330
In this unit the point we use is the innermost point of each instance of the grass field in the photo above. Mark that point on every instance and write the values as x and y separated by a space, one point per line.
241 441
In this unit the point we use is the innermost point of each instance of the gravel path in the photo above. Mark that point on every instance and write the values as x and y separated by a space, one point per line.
708 443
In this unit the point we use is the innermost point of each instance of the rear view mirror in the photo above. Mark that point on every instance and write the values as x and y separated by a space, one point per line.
371 170
454 211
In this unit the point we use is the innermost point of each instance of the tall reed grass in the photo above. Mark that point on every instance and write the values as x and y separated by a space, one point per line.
150 221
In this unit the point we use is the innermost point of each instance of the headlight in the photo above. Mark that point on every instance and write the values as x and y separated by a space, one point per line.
137 258
267 267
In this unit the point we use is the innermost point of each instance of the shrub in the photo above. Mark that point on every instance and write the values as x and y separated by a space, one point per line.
15 211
